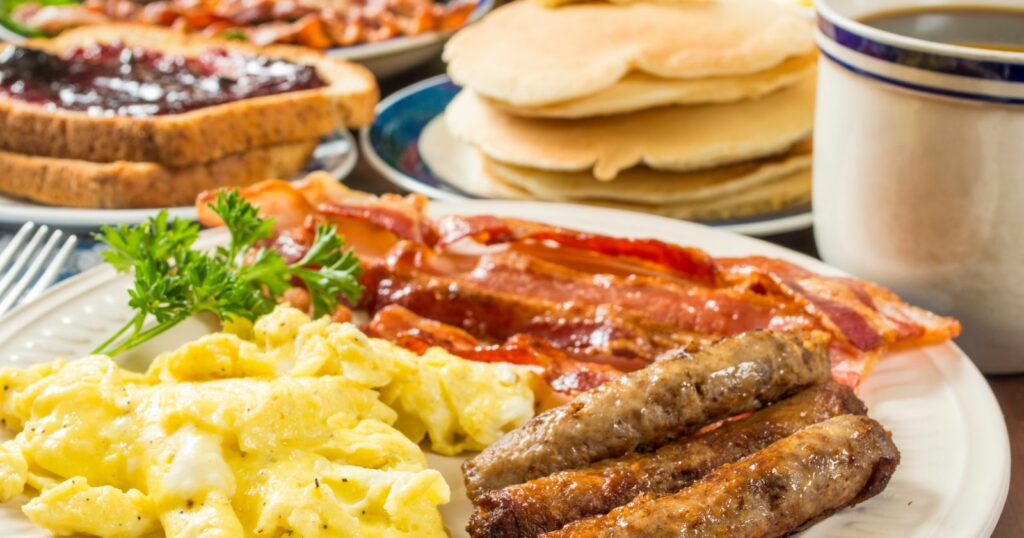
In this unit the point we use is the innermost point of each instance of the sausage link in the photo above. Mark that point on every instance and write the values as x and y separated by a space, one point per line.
548 503
649 407
776 491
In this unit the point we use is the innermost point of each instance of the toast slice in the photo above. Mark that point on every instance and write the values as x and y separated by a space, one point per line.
122 185
197 136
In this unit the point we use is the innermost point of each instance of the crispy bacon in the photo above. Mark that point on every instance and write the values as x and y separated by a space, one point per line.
694 263
275 198
488 230
390 219
613 301
564 374
625 319
579 330
864 314
311 23
483 229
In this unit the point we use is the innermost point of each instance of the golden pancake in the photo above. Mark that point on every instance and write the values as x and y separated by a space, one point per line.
642 185
638 91
459 164
480 176
486 185
528 55
557 3
786 192
679 138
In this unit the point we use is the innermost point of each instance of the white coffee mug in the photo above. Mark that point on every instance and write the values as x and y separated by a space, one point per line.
919 171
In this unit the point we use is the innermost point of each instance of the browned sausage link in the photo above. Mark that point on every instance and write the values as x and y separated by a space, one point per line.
778 490
550 502
649 407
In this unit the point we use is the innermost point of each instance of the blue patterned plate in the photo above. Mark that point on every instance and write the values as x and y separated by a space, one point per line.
403 146
336 154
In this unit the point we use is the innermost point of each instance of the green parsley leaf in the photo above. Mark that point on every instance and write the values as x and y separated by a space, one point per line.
234 34
7 8
337 273
243 280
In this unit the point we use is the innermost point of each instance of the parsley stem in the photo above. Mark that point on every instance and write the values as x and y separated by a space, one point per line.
140 337
101 349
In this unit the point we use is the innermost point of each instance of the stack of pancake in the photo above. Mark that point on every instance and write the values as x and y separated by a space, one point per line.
696 110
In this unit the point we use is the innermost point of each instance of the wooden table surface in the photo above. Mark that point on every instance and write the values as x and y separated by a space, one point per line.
1009 390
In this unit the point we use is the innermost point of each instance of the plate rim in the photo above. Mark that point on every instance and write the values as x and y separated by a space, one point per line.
354 53
781 224
376 161
962 377
83 218
398 45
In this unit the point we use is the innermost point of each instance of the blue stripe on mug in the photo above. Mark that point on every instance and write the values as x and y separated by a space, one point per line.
945 92
939 63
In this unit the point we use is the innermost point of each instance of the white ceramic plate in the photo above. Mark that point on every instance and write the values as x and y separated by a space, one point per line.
393 56
955 468
409 144
9 36
336 154
384 59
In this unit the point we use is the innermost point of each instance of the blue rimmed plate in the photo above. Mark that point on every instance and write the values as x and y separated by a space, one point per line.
406 145
336 154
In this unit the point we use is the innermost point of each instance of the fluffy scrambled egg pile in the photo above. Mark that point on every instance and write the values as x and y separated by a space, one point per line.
288 427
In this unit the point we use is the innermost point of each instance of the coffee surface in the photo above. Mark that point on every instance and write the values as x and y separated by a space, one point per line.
980 27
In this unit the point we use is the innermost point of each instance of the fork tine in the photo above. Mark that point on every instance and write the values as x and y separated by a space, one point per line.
13 270
12 247
30 273
52 270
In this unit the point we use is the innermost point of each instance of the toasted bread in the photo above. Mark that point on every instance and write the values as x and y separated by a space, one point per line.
197 136
77 183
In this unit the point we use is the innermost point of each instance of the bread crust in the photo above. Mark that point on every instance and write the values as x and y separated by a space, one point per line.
197 136
124 185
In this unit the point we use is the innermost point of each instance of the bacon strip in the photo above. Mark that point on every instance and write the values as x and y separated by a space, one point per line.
865 315
483 229
692 263
275 198
394 221
620 302
564 374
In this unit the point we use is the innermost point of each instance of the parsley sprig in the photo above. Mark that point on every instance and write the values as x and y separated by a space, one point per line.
241 280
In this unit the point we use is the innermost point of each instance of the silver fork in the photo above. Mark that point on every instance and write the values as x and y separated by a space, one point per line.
17 254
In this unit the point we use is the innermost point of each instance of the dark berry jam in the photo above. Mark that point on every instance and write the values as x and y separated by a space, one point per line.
112 79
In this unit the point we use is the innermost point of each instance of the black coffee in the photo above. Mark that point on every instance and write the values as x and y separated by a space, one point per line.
995 28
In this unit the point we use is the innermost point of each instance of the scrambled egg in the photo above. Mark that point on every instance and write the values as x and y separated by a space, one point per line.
286 427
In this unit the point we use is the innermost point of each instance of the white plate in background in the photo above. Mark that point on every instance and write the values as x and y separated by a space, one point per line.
336 154
384 58
399 54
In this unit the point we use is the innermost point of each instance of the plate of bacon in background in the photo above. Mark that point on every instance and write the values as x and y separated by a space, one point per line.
681 371
388 36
